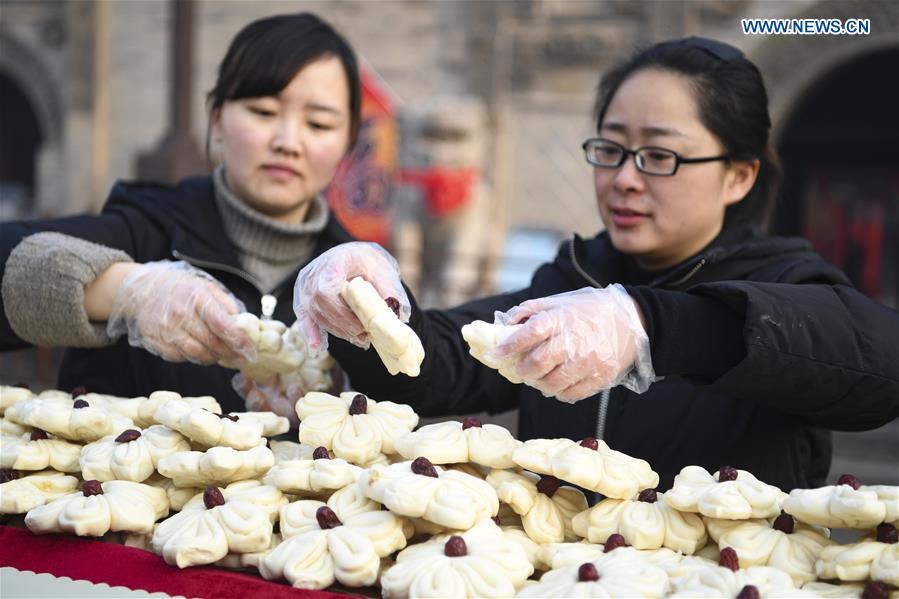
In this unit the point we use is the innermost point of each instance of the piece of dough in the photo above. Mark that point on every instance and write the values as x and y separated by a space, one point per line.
396 343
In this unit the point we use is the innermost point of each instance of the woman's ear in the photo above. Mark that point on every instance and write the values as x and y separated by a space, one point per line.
215 125
739 179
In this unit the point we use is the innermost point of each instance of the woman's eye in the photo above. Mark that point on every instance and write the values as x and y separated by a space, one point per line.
261 111
321 126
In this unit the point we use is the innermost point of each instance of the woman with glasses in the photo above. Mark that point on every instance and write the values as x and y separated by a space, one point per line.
682 334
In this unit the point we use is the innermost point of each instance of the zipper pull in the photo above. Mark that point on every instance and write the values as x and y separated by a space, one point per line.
268 306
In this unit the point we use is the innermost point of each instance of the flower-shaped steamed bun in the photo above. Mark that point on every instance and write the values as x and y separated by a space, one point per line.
22 491
757 581
482 562
729 494
848 504
355 428
872 558
454 442
210 429
10 395
590 464
236 519
782 543
131 455
343 540
645 523
276 352
290 450
621 578
397 344
76 420
38 451
146 411
311 476
99 508
178 496
419 489
216 466
545 507
272 424
826 590
484 336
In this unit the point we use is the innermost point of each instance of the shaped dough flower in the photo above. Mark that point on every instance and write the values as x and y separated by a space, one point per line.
146 409
730 494
236 519
216 466
623 578
545 507
419 489
210 429
74 420
847 504
341 540
481 562
10 395
484 336
397 344
131 455
290 450
758 581
276 352
21 492
99 508
590 464
178 496
272 424
781 542
356 428
38 451
872 558
647 523
454 442
314 475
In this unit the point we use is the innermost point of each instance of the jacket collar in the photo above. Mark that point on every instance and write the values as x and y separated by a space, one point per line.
599 260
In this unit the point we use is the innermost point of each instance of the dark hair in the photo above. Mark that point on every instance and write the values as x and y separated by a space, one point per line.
265 56
732 103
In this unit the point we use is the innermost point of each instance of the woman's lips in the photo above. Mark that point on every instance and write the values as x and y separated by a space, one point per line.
280 173
625 218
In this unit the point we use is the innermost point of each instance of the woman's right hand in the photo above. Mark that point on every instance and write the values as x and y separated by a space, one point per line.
316 295
180 313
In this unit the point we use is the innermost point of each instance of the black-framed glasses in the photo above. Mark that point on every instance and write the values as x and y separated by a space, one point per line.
649 159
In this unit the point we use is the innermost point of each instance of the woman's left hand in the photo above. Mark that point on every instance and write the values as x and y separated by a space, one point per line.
576 344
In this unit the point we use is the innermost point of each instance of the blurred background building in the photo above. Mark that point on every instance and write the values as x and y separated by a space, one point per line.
471 171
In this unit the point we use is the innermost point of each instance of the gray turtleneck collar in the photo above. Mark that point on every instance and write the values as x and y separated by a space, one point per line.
268 249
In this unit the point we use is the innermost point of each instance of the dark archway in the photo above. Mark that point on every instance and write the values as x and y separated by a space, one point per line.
19 144
840 151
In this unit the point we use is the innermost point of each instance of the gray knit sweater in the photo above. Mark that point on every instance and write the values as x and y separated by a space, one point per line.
48 310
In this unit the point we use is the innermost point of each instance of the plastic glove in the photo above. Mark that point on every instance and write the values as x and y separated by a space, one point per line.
280 393
573 345
316 294
179 313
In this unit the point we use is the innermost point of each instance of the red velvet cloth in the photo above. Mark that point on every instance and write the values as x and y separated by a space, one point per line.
117 565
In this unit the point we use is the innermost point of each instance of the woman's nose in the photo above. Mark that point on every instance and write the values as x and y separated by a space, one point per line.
627 177
288 138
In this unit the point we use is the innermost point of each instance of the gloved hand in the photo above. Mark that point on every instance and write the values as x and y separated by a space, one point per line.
280 392
573 345
270 395
180 313
316 294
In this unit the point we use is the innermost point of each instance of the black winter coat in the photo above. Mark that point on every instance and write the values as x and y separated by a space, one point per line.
156 222
764 348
